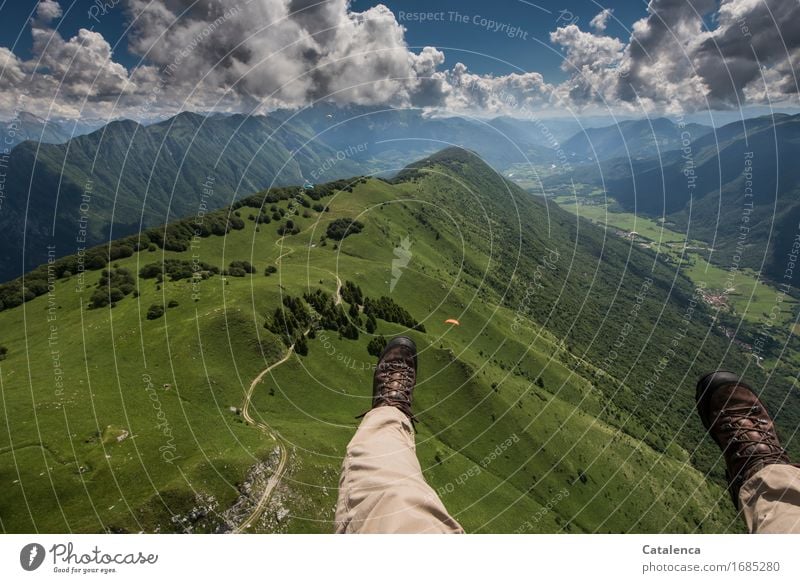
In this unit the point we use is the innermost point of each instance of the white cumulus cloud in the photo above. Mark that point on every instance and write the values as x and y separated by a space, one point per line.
264 54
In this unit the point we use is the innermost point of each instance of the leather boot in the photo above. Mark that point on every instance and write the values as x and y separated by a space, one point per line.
737 420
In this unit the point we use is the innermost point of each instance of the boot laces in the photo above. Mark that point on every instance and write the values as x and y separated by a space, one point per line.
761 426
398 380
396 387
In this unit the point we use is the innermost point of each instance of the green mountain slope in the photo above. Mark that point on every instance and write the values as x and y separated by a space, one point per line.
539 413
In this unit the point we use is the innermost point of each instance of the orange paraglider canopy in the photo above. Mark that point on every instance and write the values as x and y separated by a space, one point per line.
452 321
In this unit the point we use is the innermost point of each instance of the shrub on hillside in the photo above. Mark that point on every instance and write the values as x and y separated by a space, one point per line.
240 268
114 284
288 228
371 325
155 311
349 331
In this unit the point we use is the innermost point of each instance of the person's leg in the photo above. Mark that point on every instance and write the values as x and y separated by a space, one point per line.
382 489
770 500
762 481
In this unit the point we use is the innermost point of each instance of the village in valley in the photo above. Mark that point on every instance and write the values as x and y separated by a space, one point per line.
740 299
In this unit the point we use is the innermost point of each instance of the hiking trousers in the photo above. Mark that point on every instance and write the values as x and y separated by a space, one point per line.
770 500
382 489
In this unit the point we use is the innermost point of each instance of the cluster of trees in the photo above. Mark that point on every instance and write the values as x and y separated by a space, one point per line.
345 184
352 294
376 346
265 197
275 213
344 227
15 293
178 236
177 269
114 285
262 217
386 309
239 269
318 309
331 316
289 321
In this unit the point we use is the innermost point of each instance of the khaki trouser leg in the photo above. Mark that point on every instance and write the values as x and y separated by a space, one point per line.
770 500
382 489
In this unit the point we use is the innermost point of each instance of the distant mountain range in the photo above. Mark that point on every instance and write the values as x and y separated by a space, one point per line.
633 139
396 137
126 176
27 126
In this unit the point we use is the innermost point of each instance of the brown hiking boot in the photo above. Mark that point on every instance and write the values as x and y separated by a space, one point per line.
396 375
738 421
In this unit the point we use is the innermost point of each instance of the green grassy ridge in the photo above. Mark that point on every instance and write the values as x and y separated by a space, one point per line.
209 350
595 285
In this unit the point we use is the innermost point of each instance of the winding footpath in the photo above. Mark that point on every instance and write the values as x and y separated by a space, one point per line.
277 475
279 472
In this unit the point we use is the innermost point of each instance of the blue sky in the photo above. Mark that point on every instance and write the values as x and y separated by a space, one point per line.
15 13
